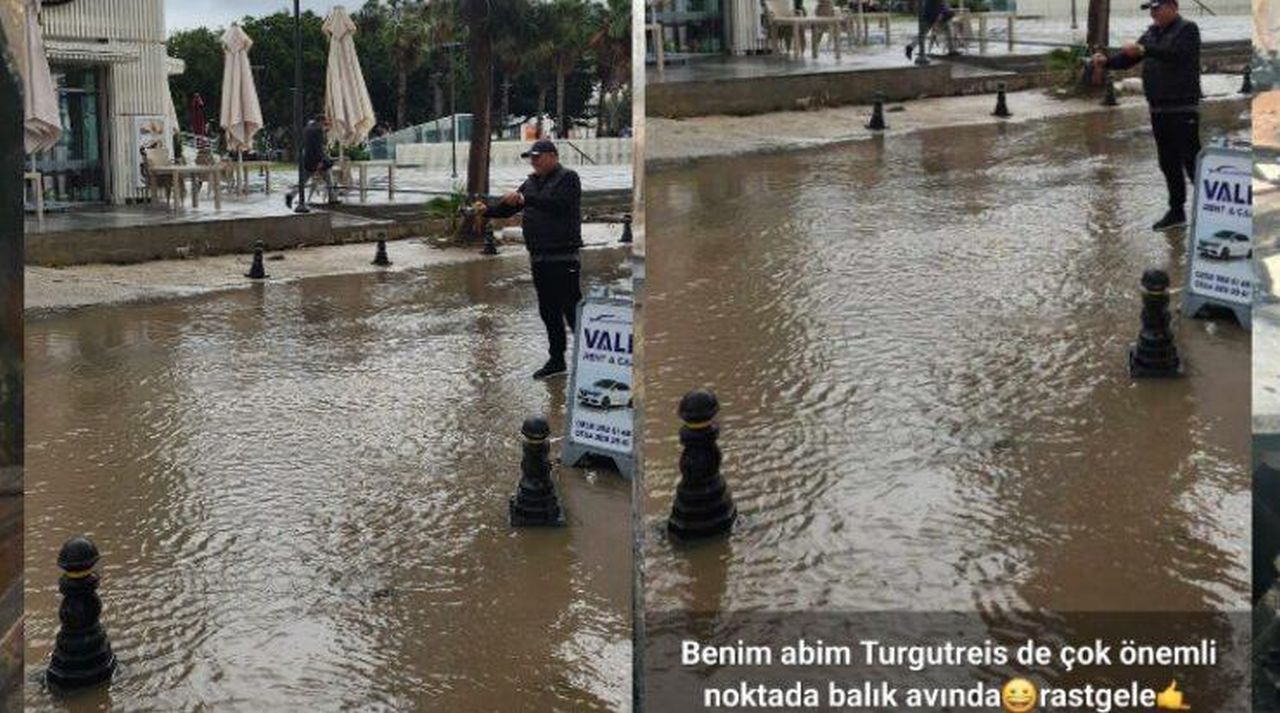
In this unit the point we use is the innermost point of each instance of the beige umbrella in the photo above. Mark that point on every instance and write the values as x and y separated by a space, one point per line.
241 114
42 120
346 98
170 114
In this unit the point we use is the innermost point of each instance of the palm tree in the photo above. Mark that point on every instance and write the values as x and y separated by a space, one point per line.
611 47
406 29
570 29
515 52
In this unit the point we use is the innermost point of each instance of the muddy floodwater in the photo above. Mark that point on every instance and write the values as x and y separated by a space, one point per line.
300 495
919 345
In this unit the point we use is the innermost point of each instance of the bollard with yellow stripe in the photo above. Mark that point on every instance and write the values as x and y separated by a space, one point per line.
82 654
703 506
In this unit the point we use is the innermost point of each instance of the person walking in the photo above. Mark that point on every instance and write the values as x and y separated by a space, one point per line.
1170 55
551 199
935 17
314 157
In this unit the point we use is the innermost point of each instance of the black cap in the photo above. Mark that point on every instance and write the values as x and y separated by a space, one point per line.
540 147
1157 3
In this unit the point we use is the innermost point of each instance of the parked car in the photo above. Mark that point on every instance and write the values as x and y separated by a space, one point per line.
605 393
1225 245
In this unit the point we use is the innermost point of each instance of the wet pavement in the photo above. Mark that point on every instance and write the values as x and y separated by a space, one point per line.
300 494
919 343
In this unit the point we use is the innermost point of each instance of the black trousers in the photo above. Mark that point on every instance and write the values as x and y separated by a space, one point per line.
557 285
1177 145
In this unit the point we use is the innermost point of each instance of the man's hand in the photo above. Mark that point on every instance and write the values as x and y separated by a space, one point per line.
1132 50
513 198
1100 59
479 207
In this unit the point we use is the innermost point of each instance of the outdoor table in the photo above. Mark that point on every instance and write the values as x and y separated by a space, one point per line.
362 167
242 174
210 172
982 27
36 179
883 19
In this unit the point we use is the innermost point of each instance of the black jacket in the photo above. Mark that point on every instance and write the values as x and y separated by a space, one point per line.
313 153
1170 64
552 208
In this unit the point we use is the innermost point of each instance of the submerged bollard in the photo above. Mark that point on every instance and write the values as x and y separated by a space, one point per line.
877 122
1002 106
380 257
535 502
626 229
257 271
82 654
490 243
1155 355
1109 98
702 506
1246 87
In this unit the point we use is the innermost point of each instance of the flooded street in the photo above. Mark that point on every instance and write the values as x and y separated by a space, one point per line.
300 494
919 346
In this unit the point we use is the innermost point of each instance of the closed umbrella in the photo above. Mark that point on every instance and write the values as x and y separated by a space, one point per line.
42 120
346 98
241 115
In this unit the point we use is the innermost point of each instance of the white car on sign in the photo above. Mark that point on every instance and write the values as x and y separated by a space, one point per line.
1225 245
605 393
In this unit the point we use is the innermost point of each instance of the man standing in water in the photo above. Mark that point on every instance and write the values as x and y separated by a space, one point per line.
1170 54
551 199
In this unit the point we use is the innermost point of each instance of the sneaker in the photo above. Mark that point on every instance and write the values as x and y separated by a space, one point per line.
551 368
1175 218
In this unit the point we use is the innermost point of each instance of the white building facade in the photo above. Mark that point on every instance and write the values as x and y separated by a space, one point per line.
109 64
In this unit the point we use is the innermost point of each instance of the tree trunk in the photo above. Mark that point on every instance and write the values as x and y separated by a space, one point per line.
506 101
480 52
437 95
402 91
542 106
1099 29
562 126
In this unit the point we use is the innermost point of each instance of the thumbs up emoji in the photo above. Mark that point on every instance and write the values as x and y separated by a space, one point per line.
1171 699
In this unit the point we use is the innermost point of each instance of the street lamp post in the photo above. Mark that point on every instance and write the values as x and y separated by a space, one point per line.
1075 25
301 206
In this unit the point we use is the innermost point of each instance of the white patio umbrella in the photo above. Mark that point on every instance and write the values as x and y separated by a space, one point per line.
346 98
42 120
240 114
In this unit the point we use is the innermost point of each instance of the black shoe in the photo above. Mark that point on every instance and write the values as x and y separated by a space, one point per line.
288 201
911 49
551 368
1175 218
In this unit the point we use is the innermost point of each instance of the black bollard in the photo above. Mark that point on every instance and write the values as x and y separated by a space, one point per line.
257 271
1155 355
1002 106
535 502
380 257
626 229
81 653
1247 86
877 122
490 243
1109 98
702 506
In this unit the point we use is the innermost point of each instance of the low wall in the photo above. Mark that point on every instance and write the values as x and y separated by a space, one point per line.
140 243
439 157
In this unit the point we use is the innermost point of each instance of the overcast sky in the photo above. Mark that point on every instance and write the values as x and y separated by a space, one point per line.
185 14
